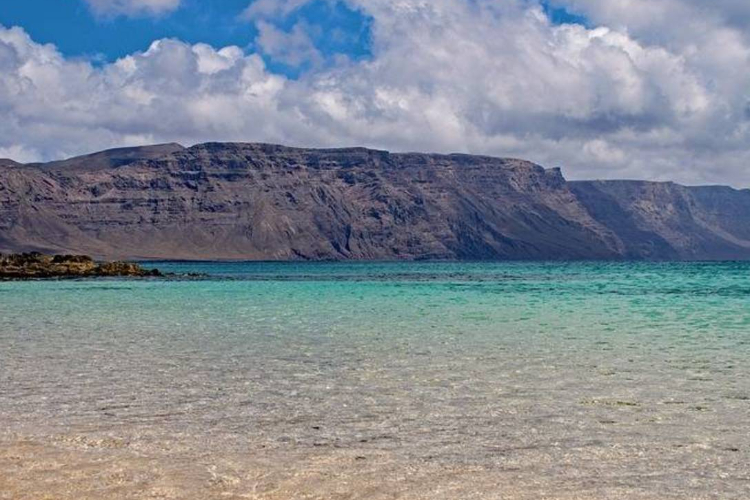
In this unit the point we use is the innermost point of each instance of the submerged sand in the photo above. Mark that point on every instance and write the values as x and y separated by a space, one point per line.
77 467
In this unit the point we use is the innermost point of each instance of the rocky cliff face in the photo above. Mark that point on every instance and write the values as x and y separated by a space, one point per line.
257 201
670 221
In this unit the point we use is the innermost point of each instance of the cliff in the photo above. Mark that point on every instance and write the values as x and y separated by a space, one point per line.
259 201
670 221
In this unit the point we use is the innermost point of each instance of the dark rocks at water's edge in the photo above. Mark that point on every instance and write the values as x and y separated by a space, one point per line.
236 201
35 265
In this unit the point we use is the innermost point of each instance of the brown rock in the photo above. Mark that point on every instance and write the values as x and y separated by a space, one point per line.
37 265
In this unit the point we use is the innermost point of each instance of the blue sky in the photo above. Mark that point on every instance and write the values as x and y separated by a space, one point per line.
78 32
560 15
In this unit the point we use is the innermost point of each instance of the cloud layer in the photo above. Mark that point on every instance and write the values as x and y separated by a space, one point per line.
630 96
132 7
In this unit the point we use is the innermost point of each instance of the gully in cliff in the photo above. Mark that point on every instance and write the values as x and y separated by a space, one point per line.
36 265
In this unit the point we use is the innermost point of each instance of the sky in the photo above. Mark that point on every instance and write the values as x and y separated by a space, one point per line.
648 89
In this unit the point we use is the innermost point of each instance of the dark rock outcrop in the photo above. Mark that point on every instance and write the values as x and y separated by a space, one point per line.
5 162
37 265
260 201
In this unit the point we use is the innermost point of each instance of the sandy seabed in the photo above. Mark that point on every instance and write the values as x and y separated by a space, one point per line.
74 467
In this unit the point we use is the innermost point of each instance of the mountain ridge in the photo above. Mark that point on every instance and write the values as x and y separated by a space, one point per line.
257 201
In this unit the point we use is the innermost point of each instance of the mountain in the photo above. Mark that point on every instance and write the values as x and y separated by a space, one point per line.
670 221
261 201
111 158
5 162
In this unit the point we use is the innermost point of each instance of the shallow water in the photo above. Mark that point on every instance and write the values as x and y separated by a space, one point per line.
380 380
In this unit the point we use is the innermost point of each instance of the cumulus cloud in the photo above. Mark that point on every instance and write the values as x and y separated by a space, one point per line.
616 99
132 7
264 9
292 48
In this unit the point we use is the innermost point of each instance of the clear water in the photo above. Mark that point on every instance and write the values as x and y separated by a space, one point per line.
380 380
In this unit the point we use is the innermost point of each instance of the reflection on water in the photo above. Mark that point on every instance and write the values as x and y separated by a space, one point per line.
413 380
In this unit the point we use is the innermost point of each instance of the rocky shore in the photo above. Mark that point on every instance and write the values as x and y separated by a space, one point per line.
36 265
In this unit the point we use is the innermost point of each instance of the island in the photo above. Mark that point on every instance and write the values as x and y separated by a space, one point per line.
251 201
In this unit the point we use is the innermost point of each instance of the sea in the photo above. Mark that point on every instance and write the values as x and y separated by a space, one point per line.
412 380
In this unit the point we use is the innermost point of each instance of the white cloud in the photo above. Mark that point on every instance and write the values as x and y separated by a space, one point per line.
292 48
263 9
627 98
19 153
132 7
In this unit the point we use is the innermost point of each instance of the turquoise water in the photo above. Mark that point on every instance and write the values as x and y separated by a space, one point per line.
598 379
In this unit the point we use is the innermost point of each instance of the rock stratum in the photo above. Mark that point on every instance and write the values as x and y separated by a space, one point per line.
261 201
36 265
